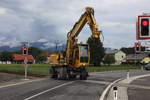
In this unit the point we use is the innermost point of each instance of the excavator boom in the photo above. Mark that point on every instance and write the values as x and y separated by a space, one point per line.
87 17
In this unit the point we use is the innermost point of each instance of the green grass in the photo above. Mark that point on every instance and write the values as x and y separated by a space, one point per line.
43 69
111 68
33 69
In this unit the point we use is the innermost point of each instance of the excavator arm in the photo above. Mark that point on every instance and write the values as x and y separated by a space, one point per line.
87 17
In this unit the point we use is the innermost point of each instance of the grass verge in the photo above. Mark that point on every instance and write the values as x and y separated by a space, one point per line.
43 69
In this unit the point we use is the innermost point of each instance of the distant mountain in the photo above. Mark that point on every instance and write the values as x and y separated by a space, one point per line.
42 45
7 48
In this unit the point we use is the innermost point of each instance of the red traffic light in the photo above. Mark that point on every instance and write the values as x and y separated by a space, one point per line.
25 49
145 23
137 47
143 27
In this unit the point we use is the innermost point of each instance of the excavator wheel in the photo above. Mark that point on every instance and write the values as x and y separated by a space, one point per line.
62 73
83 74
53 72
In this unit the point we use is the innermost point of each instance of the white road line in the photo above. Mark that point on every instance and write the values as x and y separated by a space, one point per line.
98 82
21 83
49 90
102 97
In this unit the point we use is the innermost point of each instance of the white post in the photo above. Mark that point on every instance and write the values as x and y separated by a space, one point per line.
142 67
128 74
26 67
115 93
26 70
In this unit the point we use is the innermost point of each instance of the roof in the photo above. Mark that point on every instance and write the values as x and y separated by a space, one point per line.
111 51
18 57
136 56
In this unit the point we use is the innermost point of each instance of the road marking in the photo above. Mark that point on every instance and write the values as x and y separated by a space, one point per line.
21 83
49 90
132 86
98 82
124 84
102 97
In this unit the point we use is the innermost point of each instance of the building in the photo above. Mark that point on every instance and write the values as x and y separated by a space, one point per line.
136 58
19 58
119 55
146 60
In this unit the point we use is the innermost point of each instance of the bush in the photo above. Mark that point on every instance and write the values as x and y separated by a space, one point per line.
109 59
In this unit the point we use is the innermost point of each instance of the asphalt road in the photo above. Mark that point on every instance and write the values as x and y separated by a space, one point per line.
143 90
49 89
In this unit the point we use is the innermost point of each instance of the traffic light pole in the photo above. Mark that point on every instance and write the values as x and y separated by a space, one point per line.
135 58
25 68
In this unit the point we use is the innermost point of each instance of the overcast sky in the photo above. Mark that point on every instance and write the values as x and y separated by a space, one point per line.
51 20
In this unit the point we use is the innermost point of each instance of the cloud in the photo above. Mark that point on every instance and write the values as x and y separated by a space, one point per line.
51 20
2 11
13 43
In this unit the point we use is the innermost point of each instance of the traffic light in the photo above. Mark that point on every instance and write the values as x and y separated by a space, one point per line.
25 50
137 47
145 27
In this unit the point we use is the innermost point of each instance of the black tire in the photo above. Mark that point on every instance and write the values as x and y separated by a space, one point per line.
83 76
53 73
62 73
83 73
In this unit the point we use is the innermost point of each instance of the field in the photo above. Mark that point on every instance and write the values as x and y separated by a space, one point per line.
43 69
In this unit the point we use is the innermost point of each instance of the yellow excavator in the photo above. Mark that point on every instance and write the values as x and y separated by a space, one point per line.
77 55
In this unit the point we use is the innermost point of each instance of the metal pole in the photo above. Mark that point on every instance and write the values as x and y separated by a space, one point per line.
26 70
128 74
26 67
135 59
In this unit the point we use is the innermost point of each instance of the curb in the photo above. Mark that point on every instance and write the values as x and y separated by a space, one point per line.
105 92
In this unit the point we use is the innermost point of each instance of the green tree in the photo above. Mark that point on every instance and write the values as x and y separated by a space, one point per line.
41 58
6 56
109 59
97 51
35 52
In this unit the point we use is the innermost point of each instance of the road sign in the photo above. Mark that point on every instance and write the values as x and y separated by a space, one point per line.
25 60
143 27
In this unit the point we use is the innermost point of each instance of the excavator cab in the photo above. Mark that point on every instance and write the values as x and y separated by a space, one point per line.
81 55
84 53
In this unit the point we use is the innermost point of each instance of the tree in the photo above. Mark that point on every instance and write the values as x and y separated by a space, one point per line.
6 56
97 51
35 52
41 58
109 59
